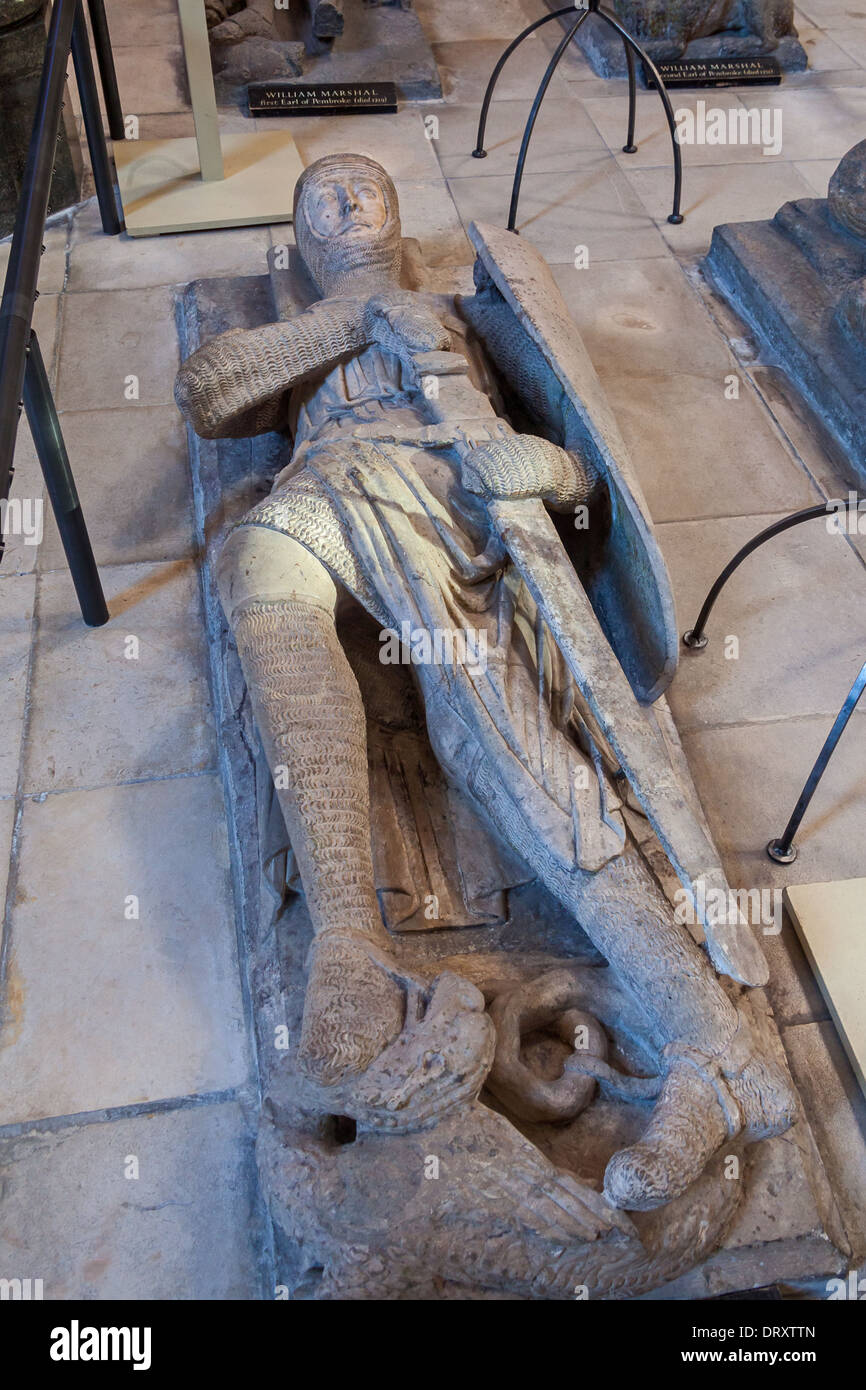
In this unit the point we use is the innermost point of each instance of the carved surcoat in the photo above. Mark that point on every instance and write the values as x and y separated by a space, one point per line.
391 521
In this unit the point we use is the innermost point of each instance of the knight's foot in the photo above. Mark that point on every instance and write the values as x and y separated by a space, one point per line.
765 1096
353 1009
687 1126
704 1102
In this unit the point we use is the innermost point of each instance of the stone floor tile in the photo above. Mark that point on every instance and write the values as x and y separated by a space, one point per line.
139 23
819 453
46 325
838 1112
563 130
149 78
101 1010
188 1227
850 36
700 455
817 173
168 125
428 213
577 69
749 777
132 474
828 14
643 317
128 263
26 517
465 67
793 991
652 134
397 142
110 335
592 207
713 194
796 608
821 124
16 621
100 716
444 20
824 52
7 827
52 269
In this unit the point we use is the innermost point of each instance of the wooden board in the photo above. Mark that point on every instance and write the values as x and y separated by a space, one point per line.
830 920
162 189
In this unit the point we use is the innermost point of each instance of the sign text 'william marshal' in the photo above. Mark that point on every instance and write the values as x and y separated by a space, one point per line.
320 98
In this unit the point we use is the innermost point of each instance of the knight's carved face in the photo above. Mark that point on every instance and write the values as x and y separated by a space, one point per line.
349 207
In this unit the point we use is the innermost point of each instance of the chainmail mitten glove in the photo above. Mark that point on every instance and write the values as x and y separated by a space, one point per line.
519 466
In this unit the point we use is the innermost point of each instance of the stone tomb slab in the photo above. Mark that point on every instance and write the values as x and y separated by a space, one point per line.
606 52
784 277
787 1227
378 44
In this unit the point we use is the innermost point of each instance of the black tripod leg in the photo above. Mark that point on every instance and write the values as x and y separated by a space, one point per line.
675 215
92 115
630 147
107 73
54 461
783 850
479 152
533 116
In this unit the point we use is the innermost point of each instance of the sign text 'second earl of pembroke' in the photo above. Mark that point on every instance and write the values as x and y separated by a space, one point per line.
320 98
716 72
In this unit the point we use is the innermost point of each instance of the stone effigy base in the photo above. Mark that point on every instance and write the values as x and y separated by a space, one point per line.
364 1215
378 44
785 278
606 54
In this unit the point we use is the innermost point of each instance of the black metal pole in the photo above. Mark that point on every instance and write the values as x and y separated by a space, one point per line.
107 73
533 116
675 215
22 273
479 152
696 637
783 850
54 461
92 115
630 147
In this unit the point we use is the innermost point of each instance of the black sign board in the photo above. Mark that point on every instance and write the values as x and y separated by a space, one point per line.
320 98
717 72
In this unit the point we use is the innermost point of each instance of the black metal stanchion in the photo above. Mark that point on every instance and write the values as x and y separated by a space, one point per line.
54 462
22 272
783 850
695 638
107 73
631 47
675 215
479 152
22 371
86 77
533 116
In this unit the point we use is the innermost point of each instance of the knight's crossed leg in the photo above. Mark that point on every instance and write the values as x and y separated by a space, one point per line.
280 601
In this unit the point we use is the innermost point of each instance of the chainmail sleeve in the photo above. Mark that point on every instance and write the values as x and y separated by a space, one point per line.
235 385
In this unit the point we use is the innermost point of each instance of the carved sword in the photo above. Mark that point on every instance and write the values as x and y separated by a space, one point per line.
531 540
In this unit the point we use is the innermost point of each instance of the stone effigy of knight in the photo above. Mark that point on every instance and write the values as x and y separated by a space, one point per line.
456 471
